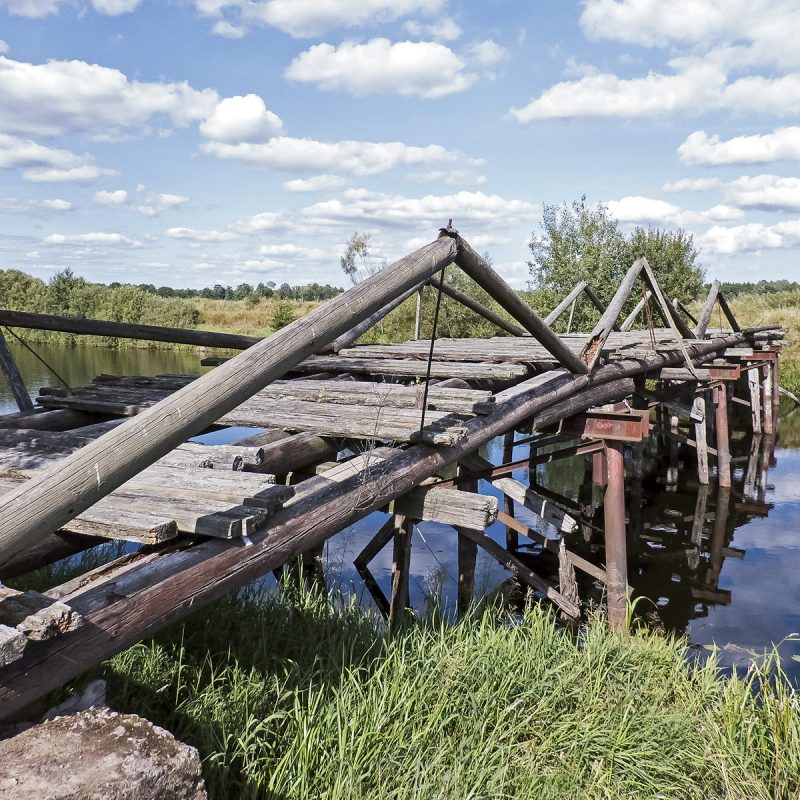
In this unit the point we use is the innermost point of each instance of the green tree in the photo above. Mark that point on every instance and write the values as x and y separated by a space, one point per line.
357 262
282 314
581 242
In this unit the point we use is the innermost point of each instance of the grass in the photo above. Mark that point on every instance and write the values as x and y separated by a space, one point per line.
299 697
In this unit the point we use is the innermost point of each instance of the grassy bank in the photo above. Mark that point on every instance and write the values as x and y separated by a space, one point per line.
302 699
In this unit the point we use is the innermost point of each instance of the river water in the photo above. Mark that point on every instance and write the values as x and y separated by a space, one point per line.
730 583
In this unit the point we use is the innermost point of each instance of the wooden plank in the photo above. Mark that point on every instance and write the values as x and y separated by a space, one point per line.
449 506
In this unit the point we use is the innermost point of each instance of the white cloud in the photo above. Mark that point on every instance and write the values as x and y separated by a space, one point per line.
114 8
43 164
102 239
4 48
319 183
266 221
642 210
751 238
782 144
72 96
308 155
115 198
306 18
443 30
742 31
241 119
765 193
488 52
293 252
196 235
423 69
12 205
164 201
607 95
34 9
692 185
361 206
228 30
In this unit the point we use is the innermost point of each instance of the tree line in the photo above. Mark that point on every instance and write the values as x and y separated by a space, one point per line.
310 292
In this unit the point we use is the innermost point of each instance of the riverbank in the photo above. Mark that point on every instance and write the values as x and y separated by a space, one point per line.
299 698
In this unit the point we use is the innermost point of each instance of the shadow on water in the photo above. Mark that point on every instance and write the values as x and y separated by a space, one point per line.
718 565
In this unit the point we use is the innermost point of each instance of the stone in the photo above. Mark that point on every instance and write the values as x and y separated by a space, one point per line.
99 754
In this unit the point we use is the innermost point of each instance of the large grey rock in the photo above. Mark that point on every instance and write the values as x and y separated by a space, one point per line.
99 755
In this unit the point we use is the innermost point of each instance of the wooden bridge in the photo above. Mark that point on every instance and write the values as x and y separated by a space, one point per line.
345 430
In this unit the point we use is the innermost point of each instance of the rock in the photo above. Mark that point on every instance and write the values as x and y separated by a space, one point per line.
99 755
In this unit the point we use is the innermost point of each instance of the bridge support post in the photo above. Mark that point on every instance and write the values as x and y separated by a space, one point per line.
616 545
723 439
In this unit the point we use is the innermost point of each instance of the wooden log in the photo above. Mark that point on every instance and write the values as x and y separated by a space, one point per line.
57 420
615 539
754 387
375 544
512 539
477 307
486 277
767 404
723 439
357 331
631 318
9 368
448 506
295 452
60 494
566 302
125 330
47 551
401 567
466 558
726 310
418 314
35 615
678 306
701 445
708 308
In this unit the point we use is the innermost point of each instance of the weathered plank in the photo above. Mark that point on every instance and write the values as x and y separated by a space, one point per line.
449 506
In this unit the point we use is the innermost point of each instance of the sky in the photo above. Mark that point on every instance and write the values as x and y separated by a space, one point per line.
192 142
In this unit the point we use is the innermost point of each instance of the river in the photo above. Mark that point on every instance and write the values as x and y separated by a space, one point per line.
731 585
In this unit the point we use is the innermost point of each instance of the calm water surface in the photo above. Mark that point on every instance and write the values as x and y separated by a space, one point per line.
731 582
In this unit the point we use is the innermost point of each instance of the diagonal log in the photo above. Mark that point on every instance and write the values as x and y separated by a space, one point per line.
486 277
708 308
74 484
9 368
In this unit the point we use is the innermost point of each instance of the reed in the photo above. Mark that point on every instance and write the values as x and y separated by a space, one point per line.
297 697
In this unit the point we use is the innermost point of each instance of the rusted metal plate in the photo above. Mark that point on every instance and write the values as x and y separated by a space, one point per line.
620 426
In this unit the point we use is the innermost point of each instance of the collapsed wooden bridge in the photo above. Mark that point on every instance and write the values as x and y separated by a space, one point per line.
344 430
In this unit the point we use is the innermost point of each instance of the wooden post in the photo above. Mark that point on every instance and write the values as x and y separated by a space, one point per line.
467 557
9 367
768 406
48 501
568 301
701 445
418 317
483 274
708 308
751 474
699 515
631 318
616 546
512 537
723 442
401 567
754 385
718 533
478 308
776 388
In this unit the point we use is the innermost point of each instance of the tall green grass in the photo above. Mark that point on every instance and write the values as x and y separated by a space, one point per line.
304 698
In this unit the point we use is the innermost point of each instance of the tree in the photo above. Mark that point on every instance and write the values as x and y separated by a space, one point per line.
357 262
282 314
581 242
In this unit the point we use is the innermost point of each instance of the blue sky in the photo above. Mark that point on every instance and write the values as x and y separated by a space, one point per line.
194 142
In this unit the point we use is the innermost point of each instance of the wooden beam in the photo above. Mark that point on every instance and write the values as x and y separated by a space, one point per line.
708 308
125 330
15 381
485 276
77 482
566 302
477 307
448 506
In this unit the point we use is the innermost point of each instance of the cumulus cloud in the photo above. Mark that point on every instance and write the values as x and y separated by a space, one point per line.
115 198
43 164
35 9
114 8
692 185
751 238
309 155
307 18
62 97
443 30
99 239
363 207
319 183
642 210
13 205
241 119
488 52
423 69
266 221
765 193
782 144
293 252
197 235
